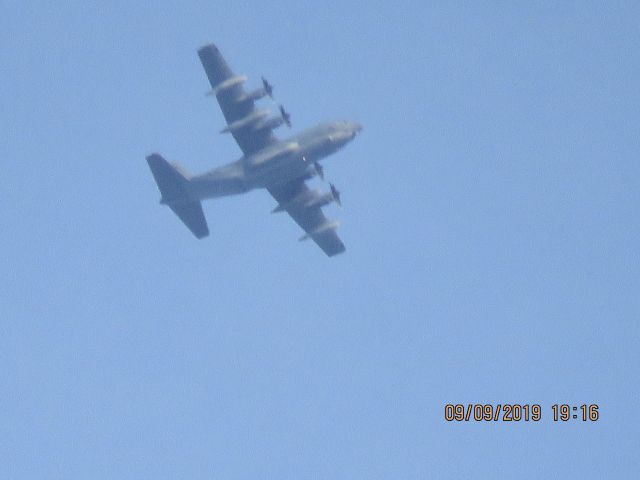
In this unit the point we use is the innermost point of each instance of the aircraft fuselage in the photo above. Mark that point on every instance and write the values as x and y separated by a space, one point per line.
276 164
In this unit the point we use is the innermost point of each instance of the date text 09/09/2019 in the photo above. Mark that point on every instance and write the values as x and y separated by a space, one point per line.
516 412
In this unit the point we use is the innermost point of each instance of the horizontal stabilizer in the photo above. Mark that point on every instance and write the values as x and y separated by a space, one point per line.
192 216
171 181
172 184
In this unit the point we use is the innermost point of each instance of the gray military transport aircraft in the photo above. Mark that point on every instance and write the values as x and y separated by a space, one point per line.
280 166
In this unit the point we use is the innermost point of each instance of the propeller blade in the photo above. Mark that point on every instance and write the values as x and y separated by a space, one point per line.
286 116
335 194
319 170
267 87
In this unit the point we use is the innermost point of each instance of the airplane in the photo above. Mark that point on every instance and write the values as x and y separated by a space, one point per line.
280 166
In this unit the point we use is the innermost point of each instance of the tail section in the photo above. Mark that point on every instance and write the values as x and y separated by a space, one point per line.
172 184
192 216
171 181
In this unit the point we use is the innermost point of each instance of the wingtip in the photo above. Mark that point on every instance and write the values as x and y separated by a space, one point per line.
340 250
201 235
208 46
154 158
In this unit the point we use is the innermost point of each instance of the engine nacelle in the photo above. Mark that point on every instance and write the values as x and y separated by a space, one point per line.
326 227
270 123
307 199
248 121
254 95
227 84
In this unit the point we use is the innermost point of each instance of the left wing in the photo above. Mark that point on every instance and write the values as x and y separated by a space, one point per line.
238 106
311 219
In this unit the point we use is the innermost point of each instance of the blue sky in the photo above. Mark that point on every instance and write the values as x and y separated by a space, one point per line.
490 217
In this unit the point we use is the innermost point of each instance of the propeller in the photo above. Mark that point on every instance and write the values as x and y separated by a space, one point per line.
319 169
286 116
268 88
335 194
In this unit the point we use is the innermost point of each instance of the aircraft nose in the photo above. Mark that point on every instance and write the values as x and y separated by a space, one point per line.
354 128
346 132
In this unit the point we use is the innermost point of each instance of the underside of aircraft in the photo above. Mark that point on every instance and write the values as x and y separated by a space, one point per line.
280 166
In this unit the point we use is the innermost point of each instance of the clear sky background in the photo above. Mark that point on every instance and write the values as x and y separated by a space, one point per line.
490 217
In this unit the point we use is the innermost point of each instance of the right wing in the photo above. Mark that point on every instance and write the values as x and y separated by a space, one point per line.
310 219
236 104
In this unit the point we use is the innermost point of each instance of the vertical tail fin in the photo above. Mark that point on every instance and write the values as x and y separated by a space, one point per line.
172 184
